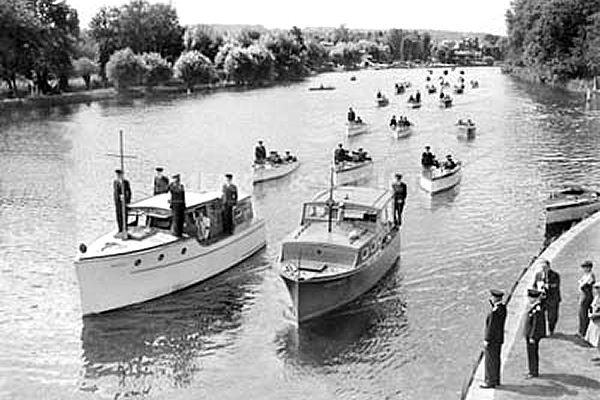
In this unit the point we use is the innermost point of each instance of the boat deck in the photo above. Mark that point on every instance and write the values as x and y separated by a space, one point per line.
108 244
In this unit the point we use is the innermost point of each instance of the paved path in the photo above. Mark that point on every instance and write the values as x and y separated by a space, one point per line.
569 368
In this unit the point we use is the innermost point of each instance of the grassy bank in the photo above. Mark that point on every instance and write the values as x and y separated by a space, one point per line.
541 77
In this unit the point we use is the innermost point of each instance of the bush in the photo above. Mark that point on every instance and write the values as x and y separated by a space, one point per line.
85 68
194 67
156 69
489 60
124 68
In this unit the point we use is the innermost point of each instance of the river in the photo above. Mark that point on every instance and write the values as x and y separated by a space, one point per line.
415 336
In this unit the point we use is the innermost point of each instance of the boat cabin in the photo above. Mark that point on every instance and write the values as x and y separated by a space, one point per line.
154 214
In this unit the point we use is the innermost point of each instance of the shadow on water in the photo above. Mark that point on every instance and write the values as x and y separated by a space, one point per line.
444 199
348 332
165 337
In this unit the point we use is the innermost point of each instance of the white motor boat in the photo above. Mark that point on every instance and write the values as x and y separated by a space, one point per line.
435 180
152 262
446 102
345 244
356 128
401 131
571 204
349 172
382 101
414 104
467 130
269 171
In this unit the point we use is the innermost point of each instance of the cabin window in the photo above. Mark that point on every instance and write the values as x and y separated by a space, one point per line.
374 246
320 213
160 223
184 250
364 254
137 262
161 257
370 217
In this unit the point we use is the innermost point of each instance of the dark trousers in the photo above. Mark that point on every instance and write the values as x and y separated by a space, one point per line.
584 317
551 311
119 214
398 208
228 219
533 357
492 363
178 210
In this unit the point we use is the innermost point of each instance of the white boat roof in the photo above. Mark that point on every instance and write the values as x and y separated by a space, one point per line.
192 199
356 196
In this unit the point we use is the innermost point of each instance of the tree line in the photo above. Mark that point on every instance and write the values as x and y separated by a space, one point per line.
557 39
140 43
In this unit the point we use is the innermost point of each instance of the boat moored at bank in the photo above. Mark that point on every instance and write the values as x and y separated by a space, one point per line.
571 204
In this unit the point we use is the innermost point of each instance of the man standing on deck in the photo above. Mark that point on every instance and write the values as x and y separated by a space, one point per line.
230 196
428 158
547 281
161 182
351 115
121 192
177 205
534 330
400 193
260 153
493 339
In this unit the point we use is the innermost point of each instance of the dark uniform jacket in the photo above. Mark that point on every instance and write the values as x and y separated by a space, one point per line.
535 322
177 194
399 190
230 194
260 153
494 324
351 116
427 159
161 184
117 191
339 155
552 293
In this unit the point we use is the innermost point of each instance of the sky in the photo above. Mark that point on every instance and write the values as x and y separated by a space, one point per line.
455 15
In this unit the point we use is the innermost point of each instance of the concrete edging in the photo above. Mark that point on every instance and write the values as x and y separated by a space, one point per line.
518 301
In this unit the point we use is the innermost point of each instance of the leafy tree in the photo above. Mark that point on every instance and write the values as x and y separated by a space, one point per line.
239 65
341 34
290 56
85 68
394 39
347 54
194 67
316 54
124 69
156 69
204 39
247 36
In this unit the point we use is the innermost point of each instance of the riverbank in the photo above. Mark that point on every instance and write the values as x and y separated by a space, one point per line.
528 75
568 365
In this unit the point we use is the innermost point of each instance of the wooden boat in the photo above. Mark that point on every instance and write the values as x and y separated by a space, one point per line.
356 128
467 130
382 101
414 104
269 171
115 273
401 131
349 172
571 204
316 88
435 180
446 102
345 244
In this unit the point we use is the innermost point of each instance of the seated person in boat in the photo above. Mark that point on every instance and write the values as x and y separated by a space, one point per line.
288 158
351 115
411 99
274 157
428 158
442 95
418 97
460 122
260 153
340 154
358 120
470 123
393 122
203 225
379 95
449 163
361 155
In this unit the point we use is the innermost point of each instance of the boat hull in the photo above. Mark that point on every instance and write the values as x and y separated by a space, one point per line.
573 212
414 105
112 282
353 173
445 103
467 131
401 131
382 102
269 172
436 184
353 129
313 298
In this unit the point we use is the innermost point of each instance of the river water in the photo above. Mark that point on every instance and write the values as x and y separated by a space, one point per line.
415 336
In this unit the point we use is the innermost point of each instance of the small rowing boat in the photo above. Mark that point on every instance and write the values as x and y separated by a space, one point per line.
269 171
401 131
571 204
437 179
345 244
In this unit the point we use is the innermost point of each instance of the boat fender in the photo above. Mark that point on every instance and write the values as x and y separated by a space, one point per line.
82 247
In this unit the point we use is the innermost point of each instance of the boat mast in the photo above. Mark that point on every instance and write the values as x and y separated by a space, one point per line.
330 202
122 183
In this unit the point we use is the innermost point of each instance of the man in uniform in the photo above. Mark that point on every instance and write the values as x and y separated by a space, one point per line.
493 339
229 199
534 330
400 192
161 182
177 205
340 155
428 158
121 192
351 115
547 281
260 153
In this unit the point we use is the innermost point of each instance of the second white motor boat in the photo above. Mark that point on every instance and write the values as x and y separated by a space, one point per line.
438 179
270 171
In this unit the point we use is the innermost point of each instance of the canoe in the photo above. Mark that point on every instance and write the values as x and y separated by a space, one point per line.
317 88
345 244
436 180
401 131
571 204
269 171
350 172
354 129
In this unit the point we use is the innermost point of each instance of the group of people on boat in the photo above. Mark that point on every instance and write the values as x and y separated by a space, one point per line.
468 122
402 121
428 160
341 155
416 98
353 118
261 157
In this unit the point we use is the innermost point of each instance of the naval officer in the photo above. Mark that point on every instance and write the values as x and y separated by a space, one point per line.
535 330
161 182
121 192
493 339
230 196
177 205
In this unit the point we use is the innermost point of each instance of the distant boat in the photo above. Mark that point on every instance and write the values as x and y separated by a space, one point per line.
467 129
349 172
571 204
474 84
352 78
316 88
269 171
459 89
446 102
382 101
356 128
431 89
345 244
414 104
401 131
438 179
